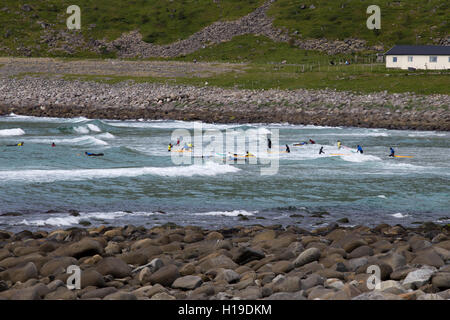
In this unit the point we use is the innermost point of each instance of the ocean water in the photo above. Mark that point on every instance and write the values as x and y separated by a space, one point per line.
137 182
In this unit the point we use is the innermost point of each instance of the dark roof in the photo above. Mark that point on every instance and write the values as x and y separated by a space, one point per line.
419 50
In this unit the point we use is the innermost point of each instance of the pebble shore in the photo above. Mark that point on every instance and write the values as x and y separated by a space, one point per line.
53 97
253 262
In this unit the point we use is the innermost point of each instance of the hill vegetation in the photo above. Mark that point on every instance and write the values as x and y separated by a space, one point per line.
166 21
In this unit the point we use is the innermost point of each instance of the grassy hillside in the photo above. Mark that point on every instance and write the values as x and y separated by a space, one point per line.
161 21
402 21
269 64
260 49
165 21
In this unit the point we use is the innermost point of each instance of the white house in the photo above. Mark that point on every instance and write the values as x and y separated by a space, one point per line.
418 57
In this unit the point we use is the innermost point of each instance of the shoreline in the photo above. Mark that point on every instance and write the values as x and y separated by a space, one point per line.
243 262
129 100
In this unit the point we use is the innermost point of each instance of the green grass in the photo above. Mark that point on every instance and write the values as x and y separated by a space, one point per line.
402 21
161 21
259 49
166 21
356 78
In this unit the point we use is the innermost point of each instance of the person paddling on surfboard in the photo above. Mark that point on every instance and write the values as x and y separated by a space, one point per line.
359 149
93 154
321 150
392 152
20 144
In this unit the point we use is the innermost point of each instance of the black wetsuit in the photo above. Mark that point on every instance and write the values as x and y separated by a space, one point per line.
94 154
392 153
287 149
269 143
321 150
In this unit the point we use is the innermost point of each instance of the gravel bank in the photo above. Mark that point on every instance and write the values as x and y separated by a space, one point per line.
128 100
173 262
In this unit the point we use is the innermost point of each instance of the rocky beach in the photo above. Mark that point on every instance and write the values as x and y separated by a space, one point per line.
171 262
40 87
128 100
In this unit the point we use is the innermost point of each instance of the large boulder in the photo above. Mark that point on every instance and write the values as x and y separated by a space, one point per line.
23 273
187 283
84 248
428 257
418 278
349 242
91 277
312 281
246 254
228 275
57 265
113 266
441 280
287 284
307 256
165 276
220 261
99 293
120 296
362 251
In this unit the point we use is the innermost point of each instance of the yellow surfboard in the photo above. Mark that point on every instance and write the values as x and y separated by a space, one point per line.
403 156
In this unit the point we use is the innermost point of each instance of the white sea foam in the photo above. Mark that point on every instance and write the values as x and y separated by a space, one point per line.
87 129
356 157
382 196
54 221
404 166
426 134
357 134
93 127
67 220
11 132
400 215
79 141
16 117
32 176
81 130
106 135
163 124
233 213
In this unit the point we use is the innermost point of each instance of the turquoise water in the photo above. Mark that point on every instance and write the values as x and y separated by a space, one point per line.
136 181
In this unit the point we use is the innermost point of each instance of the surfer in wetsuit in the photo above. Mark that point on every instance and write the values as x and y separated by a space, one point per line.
89 154
15 145
169 148
392 152
53 145
321 150
359 149
269 143
287 149
339 144
312 141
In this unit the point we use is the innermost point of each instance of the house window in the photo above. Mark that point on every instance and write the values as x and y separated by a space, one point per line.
410 59
433 59
394 59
